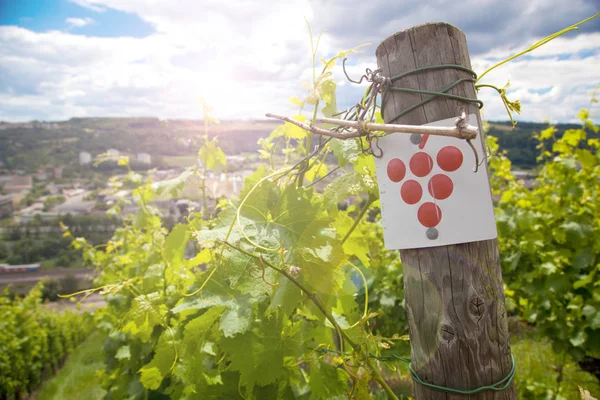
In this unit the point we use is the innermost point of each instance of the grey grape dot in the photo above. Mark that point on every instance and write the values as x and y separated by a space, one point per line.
432 233
415 138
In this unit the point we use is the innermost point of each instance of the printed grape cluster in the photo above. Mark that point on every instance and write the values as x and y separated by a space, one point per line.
440 186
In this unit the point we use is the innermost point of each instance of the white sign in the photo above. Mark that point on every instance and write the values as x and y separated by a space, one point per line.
429 194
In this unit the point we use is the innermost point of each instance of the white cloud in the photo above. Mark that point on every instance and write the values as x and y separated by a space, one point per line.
557 66
132 76
246 58
89 4
79 22
563 45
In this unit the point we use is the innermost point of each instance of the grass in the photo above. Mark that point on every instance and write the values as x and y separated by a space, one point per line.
77 379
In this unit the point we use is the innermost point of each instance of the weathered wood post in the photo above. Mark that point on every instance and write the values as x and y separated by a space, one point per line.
454 294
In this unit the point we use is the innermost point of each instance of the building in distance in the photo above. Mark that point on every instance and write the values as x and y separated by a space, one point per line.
113 154
18 184
57 172
144 158
75 207
85 158
6 207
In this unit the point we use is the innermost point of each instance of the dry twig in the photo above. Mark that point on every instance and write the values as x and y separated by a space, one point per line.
460 131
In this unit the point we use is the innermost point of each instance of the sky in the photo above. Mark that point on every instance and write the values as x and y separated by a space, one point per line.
82 58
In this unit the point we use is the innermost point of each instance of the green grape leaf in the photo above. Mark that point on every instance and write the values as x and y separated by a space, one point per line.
244 275
315 172
212 156
321 264
175 245
584 259
198 328
203 257
259 354
293 131
324 87
257 204
173 186
123 353
151 378
195 347
296 101
237 318
286 298
326 381
330 110
346 151
165 356
147 311
574 230
362 387
586 280
588 311
222 230
356 244
365 166
579 339
342 187
203 302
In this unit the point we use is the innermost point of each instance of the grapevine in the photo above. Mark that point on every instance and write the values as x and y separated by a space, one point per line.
34 342
262 309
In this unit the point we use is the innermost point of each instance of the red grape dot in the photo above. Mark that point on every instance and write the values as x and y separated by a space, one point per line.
450 158
429 215
396 170
411 192
440 186
421 164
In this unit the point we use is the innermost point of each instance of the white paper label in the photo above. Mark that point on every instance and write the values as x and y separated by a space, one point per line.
429 194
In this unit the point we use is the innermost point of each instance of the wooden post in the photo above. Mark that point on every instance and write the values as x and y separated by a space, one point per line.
453 294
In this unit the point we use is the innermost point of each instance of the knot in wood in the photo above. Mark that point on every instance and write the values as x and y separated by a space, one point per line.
476 306
447 332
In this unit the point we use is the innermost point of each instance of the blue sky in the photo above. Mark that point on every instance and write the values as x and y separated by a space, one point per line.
47 15
76 58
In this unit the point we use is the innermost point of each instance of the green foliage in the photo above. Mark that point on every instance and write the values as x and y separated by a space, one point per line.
211 155
4 253
77 379
32 250
34 341
275 303
274 278
520 142
249 323
544 374
550 241
42 242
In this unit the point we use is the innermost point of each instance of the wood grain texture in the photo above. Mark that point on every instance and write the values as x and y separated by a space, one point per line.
454 294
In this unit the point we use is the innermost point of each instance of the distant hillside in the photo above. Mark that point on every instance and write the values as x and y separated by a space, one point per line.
30 146
519 142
